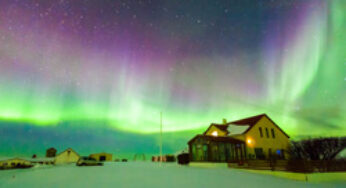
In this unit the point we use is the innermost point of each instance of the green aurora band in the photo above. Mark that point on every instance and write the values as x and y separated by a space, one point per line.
300 83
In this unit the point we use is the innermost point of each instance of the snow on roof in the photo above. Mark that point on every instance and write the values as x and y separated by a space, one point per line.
12 158
42 159
39 159
235 129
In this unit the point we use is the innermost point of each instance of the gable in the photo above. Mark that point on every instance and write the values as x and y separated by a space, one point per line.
212 128
66 153
266 123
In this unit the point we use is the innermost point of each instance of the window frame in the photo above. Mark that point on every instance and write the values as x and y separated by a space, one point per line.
261 132
273 132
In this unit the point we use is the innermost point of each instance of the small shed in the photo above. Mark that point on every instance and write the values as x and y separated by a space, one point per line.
101 156
67 156
51 152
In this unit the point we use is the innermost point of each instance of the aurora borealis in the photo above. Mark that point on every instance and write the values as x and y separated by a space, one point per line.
117 64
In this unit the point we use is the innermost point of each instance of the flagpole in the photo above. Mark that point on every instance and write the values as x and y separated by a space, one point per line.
160 138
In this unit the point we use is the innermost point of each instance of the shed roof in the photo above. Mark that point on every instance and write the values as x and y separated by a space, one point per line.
67 150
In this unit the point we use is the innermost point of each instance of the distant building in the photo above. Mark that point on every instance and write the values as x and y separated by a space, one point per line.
67 156
15 163
43 161
51 152
256 137
101 156
165 158
158 158
139 156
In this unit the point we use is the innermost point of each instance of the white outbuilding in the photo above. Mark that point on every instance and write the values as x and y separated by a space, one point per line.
67 156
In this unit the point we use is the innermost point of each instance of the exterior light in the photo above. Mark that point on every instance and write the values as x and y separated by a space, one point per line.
214 133
249 141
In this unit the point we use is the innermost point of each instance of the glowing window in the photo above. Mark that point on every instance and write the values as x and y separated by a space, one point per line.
214 133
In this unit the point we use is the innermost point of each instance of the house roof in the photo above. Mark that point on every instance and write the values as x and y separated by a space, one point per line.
41 159
250 121
222 127
14 158
216 139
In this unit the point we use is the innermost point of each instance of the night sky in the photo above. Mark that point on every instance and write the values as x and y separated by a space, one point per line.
105 69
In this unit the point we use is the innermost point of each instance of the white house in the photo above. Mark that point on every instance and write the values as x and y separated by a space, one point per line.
15 163
67 156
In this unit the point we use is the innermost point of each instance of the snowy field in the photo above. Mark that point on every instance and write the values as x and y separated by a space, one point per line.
140 174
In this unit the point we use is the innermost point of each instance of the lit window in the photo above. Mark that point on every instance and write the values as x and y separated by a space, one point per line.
214 133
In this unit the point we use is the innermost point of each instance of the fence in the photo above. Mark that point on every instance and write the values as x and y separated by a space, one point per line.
316 166
293 165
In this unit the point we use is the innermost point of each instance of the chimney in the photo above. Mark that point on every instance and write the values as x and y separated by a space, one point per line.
224 120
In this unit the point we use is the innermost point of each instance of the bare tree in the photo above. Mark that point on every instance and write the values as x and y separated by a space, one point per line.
317 148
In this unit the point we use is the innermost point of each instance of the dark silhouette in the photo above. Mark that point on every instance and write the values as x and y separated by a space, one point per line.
317 154
183 159
51 152
170 158
317 148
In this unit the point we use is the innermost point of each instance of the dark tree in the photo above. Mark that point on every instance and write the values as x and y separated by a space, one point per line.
317 148
183 159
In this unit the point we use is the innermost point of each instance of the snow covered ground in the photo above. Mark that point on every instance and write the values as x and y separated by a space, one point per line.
145 174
